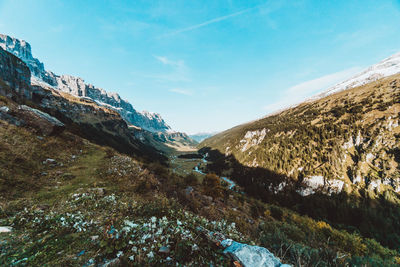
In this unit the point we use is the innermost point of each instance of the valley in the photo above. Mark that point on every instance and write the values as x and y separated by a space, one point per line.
86 180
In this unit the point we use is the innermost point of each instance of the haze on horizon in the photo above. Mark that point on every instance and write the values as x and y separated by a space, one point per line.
210 65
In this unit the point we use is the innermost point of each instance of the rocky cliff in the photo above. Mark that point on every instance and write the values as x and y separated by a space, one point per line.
82 116
76 86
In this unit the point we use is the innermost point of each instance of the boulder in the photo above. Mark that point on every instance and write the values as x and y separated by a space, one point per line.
41 121
4 109
245 255
6 116
189 191
50 161
248 255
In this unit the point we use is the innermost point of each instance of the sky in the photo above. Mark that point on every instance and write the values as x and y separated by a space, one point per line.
208 65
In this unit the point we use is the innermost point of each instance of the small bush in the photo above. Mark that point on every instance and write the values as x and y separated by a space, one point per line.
191 179
212 185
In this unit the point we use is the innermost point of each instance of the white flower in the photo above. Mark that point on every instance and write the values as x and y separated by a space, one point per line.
178 222
132 258
130 224
150 254
153 219
119 254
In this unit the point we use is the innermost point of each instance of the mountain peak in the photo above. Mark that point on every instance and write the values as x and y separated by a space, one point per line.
387 67
76 86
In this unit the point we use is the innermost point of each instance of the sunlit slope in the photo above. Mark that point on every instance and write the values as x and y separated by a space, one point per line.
349 140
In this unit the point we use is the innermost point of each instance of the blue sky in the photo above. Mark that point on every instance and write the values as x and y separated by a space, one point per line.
207 65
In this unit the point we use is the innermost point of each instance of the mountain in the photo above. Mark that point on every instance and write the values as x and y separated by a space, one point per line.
82 116
334 158
199 137
346 139
76 86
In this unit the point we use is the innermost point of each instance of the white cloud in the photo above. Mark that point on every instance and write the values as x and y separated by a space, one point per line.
298 93
208 22
181 91
166 61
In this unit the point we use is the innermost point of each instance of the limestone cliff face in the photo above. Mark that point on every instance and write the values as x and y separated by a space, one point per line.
13 74
82 116
76 86
22 50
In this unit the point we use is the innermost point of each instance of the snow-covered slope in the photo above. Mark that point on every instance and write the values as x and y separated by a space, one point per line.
76 86
386 67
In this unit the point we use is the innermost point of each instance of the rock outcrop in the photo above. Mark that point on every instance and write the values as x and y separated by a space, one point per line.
48 125
13 74
245 255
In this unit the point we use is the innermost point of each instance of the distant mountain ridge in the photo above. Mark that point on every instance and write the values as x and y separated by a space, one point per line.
149 121
387 67
199 137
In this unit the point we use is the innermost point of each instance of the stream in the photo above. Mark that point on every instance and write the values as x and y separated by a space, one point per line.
231 184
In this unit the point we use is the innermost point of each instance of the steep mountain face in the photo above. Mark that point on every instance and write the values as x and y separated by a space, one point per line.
345 142
77 87
82 116
14 74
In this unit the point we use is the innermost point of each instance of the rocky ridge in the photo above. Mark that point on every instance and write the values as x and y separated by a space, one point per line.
83 116
76 86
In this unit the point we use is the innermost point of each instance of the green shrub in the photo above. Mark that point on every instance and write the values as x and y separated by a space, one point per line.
212 185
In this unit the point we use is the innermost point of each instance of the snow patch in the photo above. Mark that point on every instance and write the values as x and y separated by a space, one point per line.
386 67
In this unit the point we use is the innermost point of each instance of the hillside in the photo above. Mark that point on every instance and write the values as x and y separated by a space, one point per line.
66 201
348 141
335 158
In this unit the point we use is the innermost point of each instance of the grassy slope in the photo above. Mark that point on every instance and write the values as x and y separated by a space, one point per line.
62 218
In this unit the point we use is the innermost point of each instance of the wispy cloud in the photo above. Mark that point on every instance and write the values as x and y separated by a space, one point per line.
208 22
167 61
301 91
178 70
181 91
